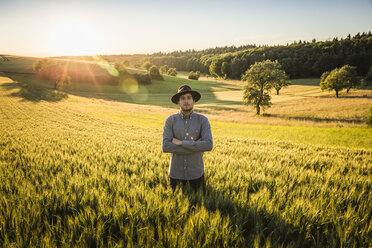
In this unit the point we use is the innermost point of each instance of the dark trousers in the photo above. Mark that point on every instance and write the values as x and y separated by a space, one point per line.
195 183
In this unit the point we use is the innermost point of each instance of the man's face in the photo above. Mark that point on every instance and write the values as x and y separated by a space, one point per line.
186 102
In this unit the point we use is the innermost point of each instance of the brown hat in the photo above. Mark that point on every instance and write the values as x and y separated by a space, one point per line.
183 90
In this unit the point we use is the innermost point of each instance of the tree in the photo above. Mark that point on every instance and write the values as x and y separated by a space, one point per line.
279 85
154 73
147 65
282 80
237 67
299 59
226 69
141 78
352 78
39 65
324 76
50 70
164 69
339 79
215 67
61 79
121 67
368 77
261 78
332 81
172 72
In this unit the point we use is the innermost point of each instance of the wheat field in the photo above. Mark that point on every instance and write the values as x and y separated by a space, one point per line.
86 171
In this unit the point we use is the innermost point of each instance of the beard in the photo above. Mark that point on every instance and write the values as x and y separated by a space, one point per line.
186 108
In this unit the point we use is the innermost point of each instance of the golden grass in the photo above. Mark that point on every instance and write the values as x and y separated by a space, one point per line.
302 103
86 172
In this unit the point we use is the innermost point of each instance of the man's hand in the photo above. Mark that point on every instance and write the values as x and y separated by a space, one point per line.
177 141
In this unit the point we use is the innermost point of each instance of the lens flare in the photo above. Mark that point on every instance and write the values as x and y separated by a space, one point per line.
106 66
142 95
129 85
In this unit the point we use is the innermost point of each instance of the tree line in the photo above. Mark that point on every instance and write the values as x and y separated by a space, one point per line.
298 59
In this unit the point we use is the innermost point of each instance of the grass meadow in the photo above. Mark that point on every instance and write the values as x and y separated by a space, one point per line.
84 167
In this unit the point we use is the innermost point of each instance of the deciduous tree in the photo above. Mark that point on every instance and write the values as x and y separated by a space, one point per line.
147 65
51 70
154 73
339 79
261 78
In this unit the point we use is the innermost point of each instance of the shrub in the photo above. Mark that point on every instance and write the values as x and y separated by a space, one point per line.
142 78
194 75
172 72
154 73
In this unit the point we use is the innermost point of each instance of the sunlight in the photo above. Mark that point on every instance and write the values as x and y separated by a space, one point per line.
105 65
73 36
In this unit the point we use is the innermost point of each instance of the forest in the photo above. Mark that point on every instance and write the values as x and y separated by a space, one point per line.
300 59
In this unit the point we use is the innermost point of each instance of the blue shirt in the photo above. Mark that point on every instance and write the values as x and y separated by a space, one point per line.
186 161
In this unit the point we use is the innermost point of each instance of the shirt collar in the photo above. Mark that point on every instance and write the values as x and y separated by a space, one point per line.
183 117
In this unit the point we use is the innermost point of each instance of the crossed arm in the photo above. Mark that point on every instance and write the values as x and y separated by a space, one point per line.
173 145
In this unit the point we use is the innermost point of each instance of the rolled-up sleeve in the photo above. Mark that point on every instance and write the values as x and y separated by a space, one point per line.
206 142
167 145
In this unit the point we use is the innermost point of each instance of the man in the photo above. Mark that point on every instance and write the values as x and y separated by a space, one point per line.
187 135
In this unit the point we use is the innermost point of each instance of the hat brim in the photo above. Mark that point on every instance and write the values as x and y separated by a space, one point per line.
196 95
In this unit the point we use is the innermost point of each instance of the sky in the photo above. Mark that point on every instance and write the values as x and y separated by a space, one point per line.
56 28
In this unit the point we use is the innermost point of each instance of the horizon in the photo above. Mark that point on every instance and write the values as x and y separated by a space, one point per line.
134 54
79 28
